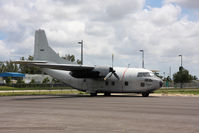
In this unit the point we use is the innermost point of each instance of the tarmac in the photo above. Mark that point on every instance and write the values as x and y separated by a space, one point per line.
85 114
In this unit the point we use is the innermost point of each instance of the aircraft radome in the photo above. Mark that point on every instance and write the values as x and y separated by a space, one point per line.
91 79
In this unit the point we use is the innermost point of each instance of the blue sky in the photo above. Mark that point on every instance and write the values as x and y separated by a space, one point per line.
154 3
191 13
2 36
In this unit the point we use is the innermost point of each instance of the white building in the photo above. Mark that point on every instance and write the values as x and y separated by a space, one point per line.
38 78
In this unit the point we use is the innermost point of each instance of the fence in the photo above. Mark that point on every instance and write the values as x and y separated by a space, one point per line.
184 85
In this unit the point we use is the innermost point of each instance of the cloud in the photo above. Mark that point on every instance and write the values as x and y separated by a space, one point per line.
4 51
119 9
122 27
193 4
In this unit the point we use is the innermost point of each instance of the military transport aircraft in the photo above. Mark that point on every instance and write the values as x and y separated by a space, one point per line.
91 79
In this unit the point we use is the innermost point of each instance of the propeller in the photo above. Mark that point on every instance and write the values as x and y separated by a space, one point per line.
111 72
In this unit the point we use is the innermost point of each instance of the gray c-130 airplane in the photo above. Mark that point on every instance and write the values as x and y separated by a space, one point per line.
91 79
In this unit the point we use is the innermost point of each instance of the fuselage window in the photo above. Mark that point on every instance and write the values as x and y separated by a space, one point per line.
148 80
126 83
106 83
113 83
139 75
142 84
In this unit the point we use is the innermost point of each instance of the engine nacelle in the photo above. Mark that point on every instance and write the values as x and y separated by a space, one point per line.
103 71
97 72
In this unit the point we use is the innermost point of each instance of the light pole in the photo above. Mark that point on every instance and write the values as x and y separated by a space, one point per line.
142 58
181 59
180 69
81 43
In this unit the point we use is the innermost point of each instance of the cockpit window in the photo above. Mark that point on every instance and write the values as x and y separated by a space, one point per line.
144 74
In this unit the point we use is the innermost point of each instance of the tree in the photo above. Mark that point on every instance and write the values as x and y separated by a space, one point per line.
79 61
8 80
182 76
20 81
46 81
32 81
71 58
29 69
8 66
195 78
55 81
168 79
2 68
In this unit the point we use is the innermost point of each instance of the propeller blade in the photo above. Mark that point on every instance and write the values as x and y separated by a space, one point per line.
108 75
115 74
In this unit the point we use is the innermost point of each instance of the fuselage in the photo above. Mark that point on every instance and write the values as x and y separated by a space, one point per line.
131 80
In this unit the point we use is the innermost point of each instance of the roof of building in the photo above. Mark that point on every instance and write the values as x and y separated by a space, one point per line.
11 74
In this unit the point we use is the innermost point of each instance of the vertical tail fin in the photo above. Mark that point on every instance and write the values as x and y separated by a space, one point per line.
42 51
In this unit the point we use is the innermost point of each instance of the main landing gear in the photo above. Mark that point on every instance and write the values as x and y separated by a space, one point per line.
145 94
107 94
93 94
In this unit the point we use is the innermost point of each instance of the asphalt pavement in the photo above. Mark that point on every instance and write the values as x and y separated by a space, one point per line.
84 114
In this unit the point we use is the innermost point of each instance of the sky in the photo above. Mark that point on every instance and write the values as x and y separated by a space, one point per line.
164 29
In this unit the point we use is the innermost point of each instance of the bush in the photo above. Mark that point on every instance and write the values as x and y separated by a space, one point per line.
46 81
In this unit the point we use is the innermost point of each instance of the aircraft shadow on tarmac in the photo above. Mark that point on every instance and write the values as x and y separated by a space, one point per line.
74 96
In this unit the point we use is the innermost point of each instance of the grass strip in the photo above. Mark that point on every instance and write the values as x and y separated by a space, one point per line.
8 88
68 90
192 91
54 92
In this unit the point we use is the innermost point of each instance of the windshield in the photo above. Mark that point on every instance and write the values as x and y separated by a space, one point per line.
144 74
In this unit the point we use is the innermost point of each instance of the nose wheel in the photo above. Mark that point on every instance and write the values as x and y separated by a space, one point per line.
145 94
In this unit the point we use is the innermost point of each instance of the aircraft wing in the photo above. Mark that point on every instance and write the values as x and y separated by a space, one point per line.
66 67
24 62
77 71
